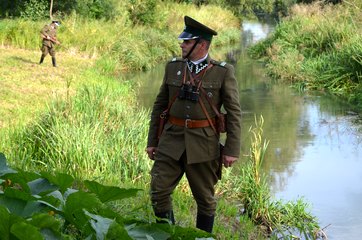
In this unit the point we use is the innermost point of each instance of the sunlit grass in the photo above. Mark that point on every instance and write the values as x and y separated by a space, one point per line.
27 86
98 131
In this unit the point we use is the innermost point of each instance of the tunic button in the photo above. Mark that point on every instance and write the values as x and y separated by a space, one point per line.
188 107
209 94
187 116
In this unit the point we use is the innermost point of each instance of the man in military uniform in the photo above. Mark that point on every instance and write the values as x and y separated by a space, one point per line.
49 36
189 141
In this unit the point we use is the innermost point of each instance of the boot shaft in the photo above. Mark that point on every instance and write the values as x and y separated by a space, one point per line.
205 222
165 217
54 61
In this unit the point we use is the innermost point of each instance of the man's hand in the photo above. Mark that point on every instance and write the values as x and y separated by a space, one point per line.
228 160
151 152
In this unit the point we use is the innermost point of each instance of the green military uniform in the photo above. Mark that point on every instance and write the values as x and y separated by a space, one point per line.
193 151
48 46
201 143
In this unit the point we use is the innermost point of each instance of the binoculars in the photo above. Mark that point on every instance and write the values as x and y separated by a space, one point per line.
189 92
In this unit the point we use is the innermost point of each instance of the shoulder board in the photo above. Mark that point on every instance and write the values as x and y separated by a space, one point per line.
177 59
217 63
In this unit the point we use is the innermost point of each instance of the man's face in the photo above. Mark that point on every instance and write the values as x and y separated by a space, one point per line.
186 46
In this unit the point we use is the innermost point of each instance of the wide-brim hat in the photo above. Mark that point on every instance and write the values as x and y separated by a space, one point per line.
194 29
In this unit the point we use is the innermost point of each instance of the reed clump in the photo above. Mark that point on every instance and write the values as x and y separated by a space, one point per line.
275 217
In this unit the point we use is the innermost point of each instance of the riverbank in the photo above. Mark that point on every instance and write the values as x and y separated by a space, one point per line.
318 48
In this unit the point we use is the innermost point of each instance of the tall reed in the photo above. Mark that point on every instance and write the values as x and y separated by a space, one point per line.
277 217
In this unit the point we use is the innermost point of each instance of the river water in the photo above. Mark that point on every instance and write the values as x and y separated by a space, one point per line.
315 149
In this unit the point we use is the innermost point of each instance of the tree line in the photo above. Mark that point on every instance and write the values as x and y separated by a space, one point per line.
140 11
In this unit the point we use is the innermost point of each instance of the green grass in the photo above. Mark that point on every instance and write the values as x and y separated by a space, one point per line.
317 48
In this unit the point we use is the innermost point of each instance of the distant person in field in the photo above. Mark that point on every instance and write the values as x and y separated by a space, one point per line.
49 36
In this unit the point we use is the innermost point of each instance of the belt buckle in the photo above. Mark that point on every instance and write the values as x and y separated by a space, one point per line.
187 121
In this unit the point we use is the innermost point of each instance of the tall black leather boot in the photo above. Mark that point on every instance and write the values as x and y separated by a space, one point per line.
165 217
54 61
205 222
41 59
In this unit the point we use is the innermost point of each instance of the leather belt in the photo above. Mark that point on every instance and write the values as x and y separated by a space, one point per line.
189 123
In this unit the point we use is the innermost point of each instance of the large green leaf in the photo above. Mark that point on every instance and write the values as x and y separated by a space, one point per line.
54 200
116 231
15 206
146 232
4 169
49 226
75 203
4 223
44 220
20 179
7 219
99 224
20 207
18 194
41 186
110 193
26 231
189 233
50 235
62 180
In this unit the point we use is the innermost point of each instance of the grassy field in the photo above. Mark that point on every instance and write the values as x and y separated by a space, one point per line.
27 87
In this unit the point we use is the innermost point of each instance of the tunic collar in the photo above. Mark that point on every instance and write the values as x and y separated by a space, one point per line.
199 65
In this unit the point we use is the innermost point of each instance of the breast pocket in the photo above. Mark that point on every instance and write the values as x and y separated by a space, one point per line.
212 89
174 82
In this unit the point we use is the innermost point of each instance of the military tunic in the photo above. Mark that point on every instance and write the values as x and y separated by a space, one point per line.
48 45
200 144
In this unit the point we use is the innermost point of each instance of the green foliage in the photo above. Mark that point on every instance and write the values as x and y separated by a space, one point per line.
35 10
96 9
143 11
37 209
259 9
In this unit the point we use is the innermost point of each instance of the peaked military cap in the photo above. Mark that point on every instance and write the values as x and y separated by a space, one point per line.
194 29
56 22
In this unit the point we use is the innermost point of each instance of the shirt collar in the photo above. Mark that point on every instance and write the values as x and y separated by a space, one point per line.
200 60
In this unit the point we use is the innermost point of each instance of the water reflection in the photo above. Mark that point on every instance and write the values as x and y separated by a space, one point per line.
315 147
315 140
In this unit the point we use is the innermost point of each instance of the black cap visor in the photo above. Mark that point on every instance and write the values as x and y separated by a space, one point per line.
187 36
